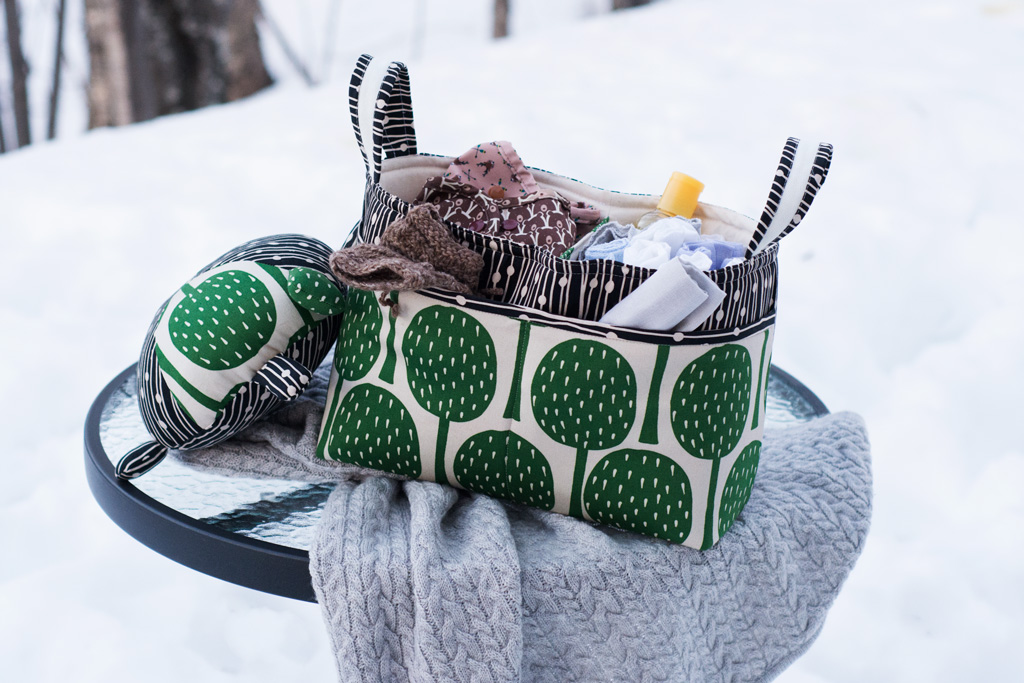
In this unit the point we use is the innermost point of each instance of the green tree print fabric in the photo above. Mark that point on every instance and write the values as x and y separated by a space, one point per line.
584 396
531 404
641 491
373 429
710 402
224 320
451 367
505 465
758 410
649 435
315 291
709 407
232 344
359 341
512 411
738 486
220 329
387 371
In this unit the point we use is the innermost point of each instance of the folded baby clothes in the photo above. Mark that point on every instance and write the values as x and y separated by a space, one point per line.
670 238
697 259
646 253
677 296
675 232
608 250
716 296
604 233
489 190
718 251
415 252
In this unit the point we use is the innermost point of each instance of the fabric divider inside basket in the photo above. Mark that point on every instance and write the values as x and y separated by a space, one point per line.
405 176
534 277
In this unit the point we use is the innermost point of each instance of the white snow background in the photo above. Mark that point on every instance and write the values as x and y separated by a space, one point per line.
900 296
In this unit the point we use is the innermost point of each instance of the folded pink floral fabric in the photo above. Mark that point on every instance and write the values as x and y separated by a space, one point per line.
494 165
489 190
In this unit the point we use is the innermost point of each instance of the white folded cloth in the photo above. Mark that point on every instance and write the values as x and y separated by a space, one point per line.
679 296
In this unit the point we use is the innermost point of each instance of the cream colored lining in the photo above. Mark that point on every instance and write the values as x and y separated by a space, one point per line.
404 177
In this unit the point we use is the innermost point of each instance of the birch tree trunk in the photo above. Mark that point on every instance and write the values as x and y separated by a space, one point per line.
109 97
19 74
58 65
500 18
178 55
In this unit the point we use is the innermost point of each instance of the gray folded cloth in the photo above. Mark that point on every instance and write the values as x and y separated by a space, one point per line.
423 582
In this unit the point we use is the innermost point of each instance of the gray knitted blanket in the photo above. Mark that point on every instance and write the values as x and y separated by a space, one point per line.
422 582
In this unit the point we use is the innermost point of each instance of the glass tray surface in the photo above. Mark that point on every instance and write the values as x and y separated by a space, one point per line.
246 518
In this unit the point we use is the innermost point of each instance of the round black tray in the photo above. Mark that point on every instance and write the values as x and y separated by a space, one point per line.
253 532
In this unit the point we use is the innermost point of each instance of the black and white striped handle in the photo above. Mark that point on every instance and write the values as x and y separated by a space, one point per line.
388 114
801 173
140 460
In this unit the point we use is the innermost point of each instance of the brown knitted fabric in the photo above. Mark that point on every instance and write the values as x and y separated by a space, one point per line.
415 252
376 268
421 236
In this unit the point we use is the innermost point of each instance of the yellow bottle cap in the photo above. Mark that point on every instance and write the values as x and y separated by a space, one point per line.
681 194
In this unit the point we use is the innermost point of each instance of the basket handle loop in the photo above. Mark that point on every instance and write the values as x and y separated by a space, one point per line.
801 173
386 112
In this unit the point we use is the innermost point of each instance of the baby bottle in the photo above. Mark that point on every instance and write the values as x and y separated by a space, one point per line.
679 199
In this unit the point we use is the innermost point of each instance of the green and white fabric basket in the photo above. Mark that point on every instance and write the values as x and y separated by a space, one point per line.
657 433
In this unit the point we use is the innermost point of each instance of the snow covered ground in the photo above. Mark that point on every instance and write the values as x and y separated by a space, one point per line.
900 296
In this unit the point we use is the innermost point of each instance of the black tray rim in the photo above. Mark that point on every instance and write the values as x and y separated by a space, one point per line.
232 557
244 561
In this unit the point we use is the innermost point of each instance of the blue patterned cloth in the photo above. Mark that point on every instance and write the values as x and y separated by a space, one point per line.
608 250
719 251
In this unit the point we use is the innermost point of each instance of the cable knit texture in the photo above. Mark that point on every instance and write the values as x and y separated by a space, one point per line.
423 582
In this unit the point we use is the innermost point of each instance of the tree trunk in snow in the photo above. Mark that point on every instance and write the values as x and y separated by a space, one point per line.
246 73
178 55
3 141
58 64
109 99
500 18
626 4
19 73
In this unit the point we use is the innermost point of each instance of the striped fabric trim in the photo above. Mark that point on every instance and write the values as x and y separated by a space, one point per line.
283 377
533 277
355 85
788 202
168 422
393 133
283 251
140 460
597 329
399 133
